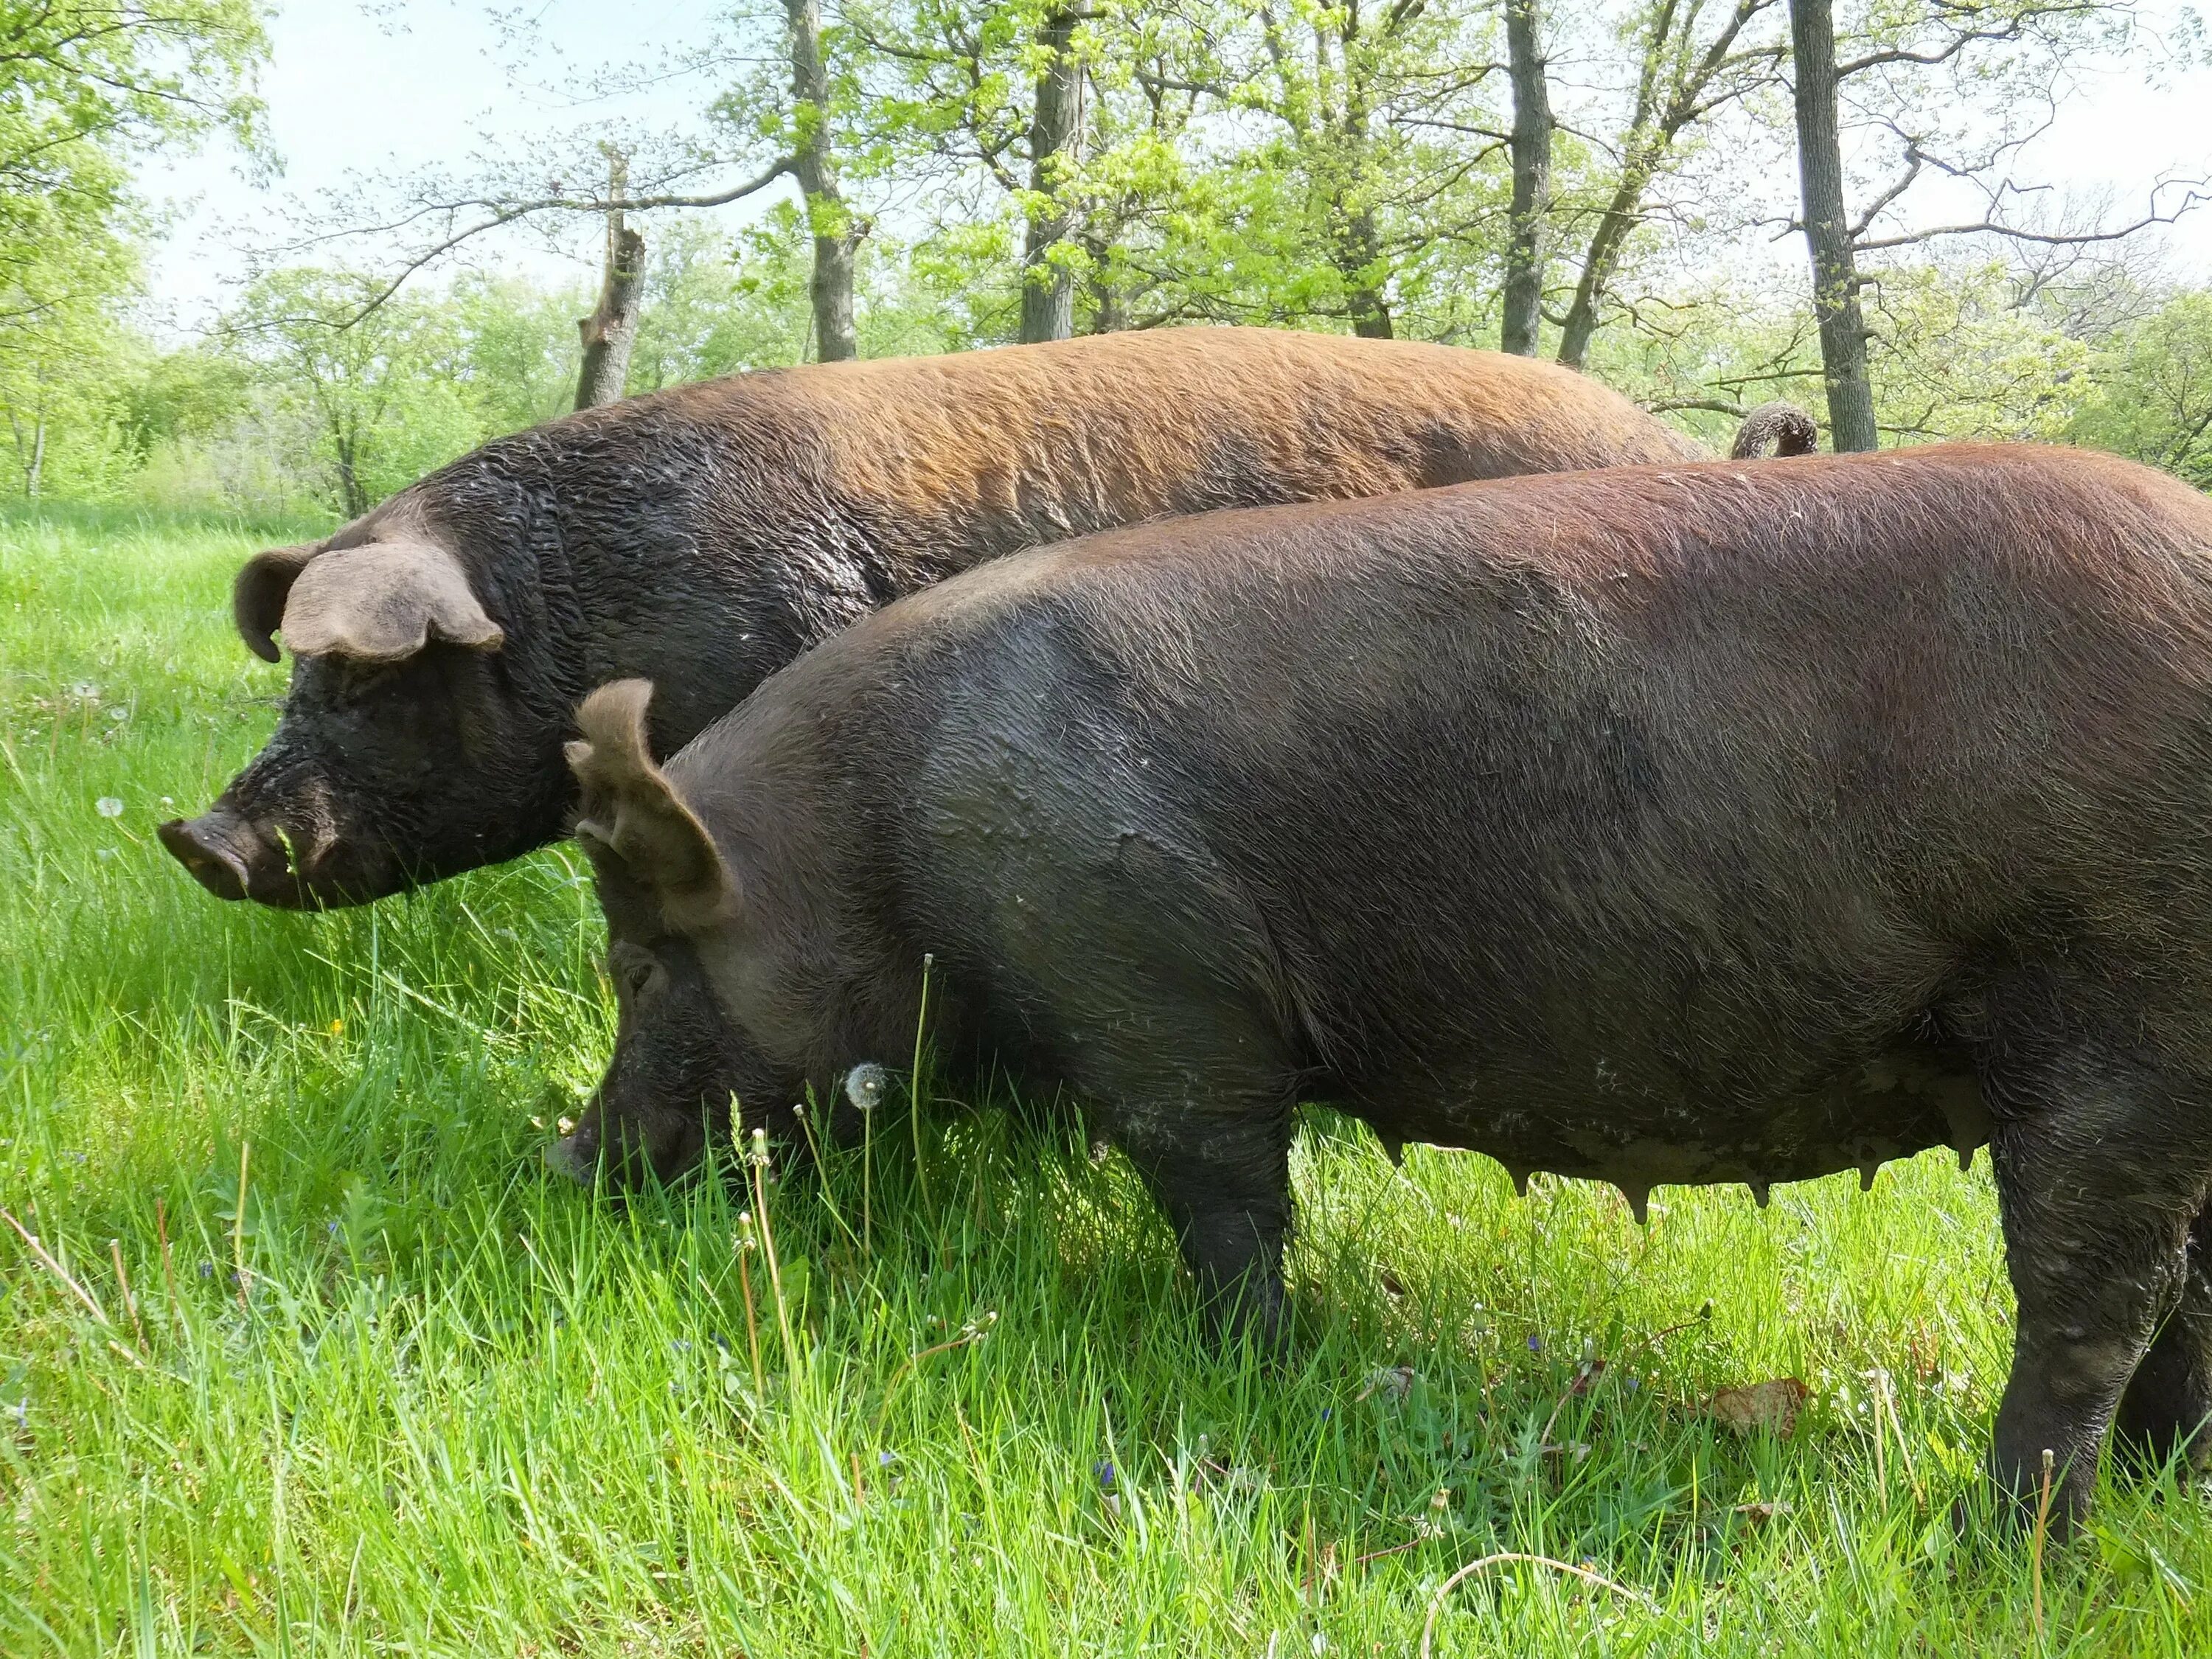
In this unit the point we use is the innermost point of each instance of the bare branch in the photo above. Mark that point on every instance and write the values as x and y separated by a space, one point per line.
2199 192
498 215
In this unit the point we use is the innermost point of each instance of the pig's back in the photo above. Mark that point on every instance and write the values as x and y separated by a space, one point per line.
1712 774
985 452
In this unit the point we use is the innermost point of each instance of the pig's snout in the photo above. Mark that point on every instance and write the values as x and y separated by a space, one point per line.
575 1155
227 855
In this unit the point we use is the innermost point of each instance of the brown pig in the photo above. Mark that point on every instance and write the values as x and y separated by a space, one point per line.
703 537
1691 823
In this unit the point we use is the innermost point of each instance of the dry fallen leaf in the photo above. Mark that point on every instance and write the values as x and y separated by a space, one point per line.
1763 1510
1769 1407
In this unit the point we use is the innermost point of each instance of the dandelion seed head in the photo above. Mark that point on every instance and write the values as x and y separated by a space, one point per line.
865 1084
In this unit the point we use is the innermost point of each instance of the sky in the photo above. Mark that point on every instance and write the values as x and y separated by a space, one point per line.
385 87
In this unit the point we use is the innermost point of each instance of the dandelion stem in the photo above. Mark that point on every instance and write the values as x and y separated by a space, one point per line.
2042 1531
169 1270
768 1248
56 1268
814 1152
752 1318
971 1332
238 1222
129 1302
867 1182
915 1080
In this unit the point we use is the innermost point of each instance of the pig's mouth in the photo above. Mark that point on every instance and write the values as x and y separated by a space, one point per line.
234 858
667 1151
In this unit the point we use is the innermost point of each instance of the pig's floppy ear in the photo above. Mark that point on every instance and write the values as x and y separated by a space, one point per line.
384 601
257 598
630 812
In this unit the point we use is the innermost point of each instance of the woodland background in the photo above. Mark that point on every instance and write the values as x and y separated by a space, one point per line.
1623 184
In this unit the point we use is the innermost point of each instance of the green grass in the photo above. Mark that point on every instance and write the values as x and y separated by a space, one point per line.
452 1406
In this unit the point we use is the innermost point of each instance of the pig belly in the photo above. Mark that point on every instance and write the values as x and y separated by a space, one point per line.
1640 1133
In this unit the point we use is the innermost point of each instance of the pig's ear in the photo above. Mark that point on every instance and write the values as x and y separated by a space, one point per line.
257 598
631 814
384 601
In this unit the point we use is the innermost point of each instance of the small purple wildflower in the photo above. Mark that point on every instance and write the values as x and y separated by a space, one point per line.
1103 1469
1536 1345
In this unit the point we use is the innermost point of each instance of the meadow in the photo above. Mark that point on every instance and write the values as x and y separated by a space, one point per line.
310 1356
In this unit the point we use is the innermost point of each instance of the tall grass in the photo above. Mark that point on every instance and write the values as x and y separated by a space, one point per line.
378 1383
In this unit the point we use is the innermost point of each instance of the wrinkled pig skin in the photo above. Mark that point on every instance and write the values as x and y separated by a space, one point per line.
703 537
1683 824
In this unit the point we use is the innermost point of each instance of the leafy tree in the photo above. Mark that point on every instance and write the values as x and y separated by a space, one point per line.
1690 61
512 360
2153 398
1931 88
62 357
85 88
993 98
85 91
713 307
374 387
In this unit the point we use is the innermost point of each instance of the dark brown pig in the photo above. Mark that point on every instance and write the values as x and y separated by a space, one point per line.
1695 824
706 536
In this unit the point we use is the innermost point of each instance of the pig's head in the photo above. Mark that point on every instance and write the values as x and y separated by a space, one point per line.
407 749
680 1059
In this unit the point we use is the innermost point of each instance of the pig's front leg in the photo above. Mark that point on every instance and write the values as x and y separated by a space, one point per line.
1222 1175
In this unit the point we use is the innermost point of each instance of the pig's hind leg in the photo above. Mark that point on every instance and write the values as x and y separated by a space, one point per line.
2099 1173
2164 1412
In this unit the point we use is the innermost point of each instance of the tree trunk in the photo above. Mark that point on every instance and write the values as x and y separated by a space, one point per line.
1620 216
1049 288
610 331
1523 299
354 498
1827 230
1359 243
836 237
37 459
1110 305
1358 248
